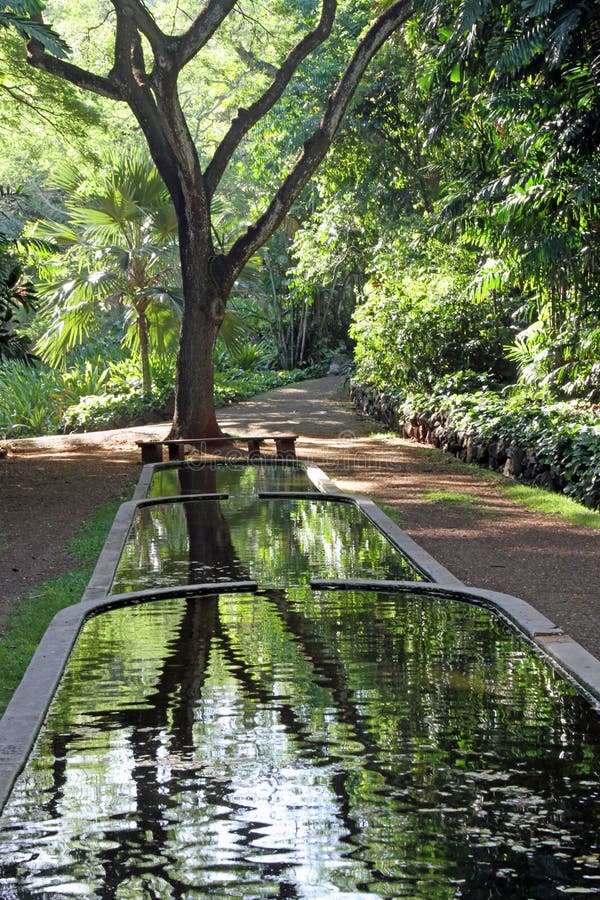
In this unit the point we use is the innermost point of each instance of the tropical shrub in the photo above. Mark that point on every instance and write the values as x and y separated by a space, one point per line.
37 399
238 384
417 325
121 399
124 402
33 398
246 356
16 296
563 362
96 412
28 400
117 249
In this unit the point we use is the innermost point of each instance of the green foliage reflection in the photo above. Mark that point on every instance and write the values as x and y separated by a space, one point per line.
309 742
276 542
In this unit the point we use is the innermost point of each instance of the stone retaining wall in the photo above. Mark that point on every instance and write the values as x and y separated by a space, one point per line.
436 429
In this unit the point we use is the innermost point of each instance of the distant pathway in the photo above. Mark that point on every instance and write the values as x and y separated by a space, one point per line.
494 544
54 483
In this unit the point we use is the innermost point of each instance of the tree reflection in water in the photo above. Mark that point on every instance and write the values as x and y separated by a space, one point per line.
292 742
297 743
277 542
230 477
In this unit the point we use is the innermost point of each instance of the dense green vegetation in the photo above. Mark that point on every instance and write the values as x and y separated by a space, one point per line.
450 240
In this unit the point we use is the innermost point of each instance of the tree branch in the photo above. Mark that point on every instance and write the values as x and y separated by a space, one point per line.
250 59
23 97
247 118
129 68
318 144
39 59
201 30
144 22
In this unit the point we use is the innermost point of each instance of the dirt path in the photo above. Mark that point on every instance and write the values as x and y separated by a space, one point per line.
50 485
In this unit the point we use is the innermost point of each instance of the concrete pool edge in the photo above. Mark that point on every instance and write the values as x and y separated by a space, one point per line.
27 709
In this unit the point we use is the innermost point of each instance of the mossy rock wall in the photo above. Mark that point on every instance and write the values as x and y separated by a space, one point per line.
500 454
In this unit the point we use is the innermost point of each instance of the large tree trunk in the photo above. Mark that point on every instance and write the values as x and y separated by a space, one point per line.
194 390
204 308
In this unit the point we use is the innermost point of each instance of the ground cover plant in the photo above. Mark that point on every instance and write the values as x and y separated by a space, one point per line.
556 444
33 613
454 220
549 443
38 399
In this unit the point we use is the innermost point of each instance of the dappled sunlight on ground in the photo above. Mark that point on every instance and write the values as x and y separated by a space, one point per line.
459 516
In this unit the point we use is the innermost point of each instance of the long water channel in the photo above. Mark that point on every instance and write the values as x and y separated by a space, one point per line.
296 742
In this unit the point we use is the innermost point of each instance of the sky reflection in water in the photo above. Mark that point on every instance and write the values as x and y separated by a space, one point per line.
296 743
307 744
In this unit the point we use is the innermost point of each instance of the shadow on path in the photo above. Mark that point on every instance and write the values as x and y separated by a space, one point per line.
50 485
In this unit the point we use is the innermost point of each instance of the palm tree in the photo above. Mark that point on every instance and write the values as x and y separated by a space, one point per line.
16 294
117 248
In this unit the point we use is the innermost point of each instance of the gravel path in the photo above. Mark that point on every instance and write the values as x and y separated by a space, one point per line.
48 486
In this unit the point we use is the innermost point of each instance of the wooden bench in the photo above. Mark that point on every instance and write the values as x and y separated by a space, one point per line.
152 451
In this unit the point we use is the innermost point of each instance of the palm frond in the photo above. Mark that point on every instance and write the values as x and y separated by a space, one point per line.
30 29
492 276
233 333
164 221
69 327
472 13
135 176
537 8
15 347
68 177
561 38
521 50
51 235
109 215
85 287
163 323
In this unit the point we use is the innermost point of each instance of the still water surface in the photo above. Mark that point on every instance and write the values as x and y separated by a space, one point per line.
199 477
307 744
277 542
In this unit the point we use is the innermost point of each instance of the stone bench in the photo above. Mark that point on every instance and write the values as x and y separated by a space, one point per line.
152 450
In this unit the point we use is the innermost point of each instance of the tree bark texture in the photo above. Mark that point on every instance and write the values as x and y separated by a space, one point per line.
146 79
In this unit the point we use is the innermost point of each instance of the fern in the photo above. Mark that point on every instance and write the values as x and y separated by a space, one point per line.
18 14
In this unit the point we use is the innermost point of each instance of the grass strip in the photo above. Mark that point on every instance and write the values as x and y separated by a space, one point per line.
552 504
459 501
33 612
534 498
393 512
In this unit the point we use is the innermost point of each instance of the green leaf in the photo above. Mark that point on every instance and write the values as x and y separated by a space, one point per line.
455 74
18 18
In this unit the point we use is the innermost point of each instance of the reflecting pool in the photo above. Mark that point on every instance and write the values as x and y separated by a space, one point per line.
307 744
277 542
205 477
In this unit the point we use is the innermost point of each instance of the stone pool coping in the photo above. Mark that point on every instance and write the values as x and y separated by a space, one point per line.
27 708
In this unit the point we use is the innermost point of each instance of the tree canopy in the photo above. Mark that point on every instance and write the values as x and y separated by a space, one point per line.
149 53
430 172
